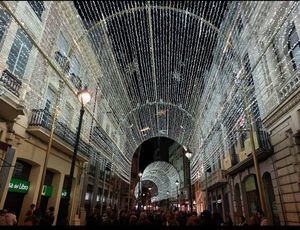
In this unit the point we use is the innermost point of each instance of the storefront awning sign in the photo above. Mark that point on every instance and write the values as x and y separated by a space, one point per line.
19 186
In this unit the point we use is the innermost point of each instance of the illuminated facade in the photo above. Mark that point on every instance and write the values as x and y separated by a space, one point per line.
209 75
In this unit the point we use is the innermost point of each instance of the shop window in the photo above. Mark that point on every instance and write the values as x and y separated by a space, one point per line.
19 54
294 47
38 7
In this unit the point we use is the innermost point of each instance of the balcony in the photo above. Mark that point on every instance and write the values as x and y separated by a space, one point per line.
263 149
100 138
9 96
76 81
214 179
62 61
64 138
289 86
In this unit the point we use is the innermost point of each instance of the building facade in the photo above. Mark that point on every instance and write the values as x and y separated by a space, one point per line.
39 63
269 53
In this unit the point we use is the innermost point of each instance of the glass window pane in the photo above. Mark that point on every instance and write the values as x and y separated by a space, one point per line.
19 54
293 37
62 45
4 22
296 55
38 7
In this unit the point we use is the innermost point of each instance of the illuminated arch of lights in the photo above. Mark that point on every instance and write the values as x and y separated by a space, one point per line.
163 175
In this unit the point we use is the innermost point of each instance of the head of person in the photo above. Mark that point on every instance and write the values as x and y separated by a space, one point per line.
242 219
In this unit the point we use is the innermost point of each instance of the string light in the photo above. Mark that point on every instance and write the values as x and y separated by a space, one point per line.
174 66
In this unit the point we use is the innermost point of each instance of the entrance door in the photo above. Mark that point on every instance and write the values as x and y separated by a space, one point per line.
14 202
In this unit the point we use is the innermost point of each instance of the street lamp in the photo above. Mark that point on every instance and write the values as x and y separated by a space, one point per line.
139 197
84 97
168 200
177 184
188 155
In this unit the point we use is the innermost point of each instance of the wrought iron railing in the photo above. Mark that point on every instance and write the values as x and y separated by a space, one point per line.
76 81
43 118
102 139
11 82
62 61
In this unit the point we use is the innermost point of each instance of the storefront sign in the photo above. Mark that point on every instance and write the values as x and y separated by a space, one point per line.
20 186
47 191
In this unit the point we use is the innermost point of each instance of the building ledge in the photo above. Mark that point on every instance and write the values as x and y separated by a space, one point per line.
44 135
13 106
248 162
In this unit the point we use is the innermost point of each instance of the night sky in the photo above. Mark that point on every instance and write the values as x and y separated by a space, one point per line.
155 146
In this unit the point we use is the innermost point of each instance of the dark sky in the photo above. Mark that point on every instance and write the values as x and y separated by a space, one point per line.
155 146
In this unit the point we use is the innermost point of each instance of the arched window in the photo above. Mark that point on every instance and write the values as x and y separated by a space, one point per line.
294 47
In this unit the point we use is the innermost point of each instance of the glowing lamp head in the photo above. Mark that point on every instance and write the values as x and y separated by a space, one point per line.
84 96
177 182
140 174
188 154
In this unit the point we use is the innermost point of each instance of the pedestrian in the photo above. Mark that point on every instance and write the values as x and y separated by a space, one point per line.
242 221
11 218
30 211
2 217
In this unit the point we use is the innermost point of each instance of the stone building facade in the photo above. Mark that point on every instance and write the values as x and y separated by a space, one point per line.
267 42
42 69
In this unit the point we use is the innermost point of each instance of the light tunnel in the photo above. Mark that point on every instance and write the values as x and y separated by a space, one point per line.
163 175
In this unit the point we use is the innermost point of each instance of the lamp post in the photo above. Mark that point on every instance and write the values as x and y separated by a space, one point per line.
168 205
55 113
84 97
106 169
177 184
139 196
188 155
206 190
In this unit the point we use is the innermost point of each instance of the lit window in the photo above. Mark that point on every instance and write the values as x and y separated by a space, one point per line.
294 47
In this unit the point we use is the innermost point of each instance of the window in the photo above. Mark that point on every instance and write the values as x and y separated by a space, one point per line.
68 114
62 45
75 66
294 47
4 22
19 54
240 25
38 7
61 52
50 100
22 170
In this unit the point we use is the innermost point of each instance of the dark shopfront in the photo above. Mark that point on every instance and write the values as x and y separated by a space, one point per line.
18 187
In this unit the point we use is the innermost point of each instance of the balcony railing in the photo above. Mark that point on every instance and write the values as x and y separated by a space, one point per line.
214 179
11 82
263 141
289 86
102 139
62 61
76 81
43 118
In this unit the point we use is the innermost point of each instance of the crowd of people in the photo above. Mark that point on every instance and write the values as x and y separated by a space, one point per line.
34 216
168 218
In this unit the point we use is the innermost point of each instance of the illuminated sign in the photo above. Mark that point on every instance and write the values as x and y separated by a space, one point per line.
19 186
